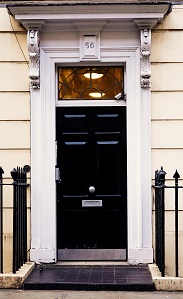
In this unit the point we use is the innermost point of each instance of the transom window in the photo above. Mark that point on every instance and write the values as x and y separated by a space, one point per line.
86 83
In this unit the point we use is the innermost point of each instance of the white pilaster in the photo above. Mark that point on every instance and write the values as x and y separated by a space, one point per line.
146 136
43 211
43 195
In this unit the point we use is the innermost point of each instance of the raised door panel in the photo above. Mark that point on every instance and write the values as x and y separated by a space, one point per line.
74 168
108 167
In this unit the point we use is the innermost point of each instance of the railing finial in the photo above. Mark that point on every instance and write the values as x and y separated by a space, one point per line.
160 177
176 175
14 174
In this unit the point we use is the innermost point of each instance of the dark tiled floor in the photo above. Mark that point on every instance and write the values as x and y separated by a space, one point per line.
124 278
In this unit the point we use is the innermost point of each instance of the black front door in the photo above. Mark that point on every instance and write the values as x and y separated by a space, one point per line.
92 194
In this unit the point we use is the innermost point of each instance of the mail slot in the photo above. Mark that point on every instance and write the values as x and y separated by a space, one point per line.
91 203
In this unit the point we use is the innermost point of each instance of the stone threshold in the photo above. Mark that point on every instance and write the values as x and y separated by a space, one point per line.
166 283
90 278
89 263
15 281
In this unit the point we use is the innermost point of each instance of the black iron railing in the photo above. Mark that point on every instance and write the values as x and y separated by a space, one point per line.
1 219
160 199
19 184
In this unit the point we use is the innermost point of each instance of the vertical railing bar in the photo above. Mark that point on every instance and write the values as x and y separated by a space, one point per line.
160 219
25 218
1 219
22 257
15 227
176 232
18 220
157 227
14 174
14 223
176 177
20 217
163 231
26 169
21 242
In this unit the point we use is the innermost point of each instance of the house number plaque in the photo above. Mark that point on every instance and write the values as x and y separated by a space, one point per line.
89 47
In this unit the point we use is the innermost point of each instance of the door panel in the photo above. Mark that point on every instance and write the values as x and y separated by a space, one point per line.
107 158
72 239
75 167
91 152
75 123
109 229
107 123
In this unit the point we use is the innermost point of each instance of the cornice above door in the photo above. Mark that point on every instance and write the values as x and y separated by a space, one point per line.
45 14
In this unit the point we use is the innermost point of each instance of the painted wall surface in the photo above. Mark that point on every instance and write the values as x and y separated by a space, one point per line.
167 116
167 112
14 115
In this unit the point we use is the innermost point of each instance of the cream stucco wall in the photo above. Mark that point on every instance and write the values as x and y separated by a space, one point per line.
14 114
167 111
167 116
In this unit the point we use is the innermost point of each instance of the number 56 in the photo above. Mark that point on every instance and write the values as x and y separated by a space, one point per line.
89 45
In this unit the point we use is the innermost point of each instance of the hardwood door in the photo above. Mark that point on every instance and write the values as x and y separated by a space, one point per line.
92 195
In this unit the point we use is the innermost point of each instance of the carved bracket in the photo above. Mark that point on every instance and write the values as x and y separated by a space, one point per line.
34 58
145 58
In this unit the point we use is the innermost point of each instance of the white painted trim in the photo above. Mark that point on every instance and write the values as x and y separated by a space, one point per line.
134 182
43 193
43 211
146 167
95 10
89 16
140 256
90 103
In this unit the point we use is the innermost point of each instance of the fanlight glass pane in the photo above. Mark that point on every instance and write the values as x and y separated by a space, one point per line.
90 83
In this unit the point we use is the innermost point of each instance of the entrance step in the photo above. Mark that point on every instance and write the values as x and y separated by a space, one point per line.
90 278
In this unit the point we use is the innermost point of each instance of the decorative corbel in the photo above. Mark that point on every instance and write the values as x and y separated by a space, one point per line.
145 58
34 57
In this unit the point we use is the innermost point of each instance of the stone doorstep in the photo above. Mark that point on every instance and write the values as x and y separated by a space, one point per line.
15 281
165 283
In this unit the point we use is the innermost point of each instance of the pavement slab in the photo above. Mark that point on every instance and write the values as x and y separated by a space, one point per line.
25 294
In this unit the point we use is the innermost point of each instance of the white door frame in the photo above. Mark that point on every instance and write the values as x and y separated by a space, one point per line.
43 208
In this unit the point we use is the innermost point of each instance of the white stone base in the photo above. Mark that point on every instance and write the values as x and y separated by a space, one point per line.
42 255
140 256
15 281
165 283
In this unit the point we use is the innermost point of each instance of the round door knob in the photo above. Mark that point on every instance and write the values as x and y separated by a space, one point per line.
91 189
